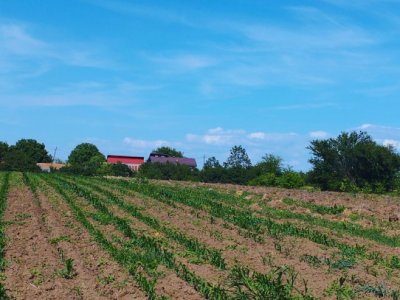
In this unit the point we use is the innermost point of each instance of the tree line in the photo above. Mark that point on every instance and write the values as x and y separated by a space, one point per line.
350 162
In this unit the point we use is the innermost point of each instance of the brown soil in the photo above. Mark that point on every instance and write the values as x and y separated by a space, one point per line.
34 272
49 233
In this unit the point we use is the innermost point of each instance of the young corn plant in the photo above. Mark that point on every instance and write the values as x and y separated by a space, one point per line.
256 225
3 203
132 261
208 254
149 244
68 272
320 209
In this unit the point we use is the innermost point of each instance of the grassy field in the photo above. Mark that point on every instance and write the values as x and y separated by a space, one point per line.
107 238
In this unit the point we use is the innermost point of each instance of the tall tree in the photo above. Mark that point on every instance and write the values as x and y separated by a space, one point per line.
353 158
33 149
269 164
85 159
3 150
212 162
16 160
168 151
238 158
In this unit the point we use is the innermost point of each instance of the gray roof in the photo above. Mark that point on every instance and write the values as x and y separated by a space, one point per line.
191 162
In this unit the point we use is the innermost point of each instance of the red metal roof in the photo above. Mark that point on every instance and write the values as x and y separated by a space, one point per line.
113 159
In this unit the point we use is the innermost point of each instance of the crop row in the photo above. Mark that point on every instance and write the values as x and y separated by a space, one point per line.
3 204
126 258
246 219
210 255
276 281
214 196
151 246
317 208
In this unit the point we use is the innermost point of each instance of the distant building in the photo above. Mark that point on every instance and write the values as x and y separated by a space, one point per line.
133 162
163 159
46 167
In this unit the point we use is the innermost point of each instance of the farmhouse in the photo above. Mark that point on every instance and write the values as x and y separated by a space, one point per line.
163 159
133 162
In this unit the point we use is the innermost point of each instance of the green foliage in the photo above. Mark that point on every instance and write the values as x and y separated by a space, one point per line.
3 150
238 158
168 171
287 179
154 252
353 161
211 255
277 284
3 202
291 180
341 290
269 164
85 159
68 272
168 151
213 171
321 209
268 179
23 156
33 149
212 163
120 169
15 160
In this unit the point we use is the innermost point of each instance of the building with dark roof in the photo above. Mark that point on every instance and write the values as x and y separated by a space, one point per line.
163 159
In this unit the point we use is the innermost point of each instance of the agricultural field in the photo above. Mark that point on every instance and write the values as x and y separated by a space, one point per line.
71 237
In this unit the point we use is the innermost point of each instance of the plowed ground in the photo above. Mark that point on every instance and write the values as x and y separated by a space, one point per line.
106 238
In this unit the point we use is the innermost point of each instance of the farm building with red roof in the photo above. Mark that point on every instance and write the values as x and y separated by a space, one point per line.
133 162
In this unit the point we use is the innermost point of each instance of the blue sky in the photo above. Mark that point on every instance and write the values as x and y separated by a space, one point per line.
199 75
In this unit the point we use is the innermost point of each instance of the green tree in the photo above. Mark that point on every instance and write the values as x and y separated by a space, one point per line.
120 169
269 164
213 171
16 160
33 149
85 159
168 151
238 158
212 162
168 171
3 150
353 160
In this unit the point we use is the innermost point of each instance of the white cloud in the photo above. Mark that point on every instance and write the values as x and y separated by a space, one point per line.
16 40
225 137
393 143
366 126
182 62
319 134
144 144
257 135
217 136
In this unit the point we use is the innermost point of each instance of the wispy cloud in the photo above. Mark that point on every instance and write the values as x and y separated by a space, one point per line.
155 12
145 144
226 137
182 63
21 46
392 143
319 134
386 135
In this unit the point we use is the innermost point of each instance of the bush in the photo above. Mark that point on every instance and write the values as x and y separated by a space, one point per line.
291 180
269 179
168 171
